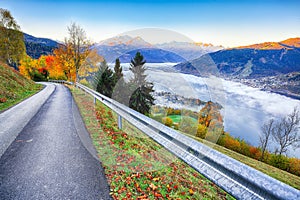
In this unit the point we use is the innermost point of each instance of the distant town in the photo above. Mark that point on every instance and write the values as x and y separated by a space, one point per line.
288 84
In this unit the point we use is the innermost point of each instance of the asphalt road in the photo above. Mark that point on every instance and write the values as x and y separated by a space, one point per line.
52 157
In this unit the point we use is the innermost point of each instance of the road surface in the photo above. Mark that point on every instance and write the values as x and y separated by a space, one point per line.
51 158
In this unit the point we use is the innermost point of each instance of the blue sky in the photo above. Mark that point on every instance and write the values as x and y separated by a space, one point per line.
222 22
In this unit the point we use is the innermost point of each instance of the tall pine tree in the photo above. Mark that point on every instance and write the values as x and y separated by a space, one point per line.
104 80
141 99
118 71
121 91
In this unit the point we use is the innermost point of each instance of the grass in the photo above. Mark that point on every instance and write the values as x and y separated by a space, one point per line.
177 118
14 87
137 167
274 172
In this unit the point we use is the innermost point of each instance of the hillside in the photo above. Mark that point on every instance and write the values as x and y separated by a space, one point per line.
272 66
14 87
288 44
254 61
35 47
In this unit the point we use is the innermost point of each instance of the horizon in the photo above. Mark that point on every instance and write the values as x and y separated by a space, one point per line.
228 23
118 35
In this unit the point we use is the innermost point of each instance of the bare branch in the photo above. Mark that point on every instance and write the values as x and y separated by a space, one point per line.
286 132
267 130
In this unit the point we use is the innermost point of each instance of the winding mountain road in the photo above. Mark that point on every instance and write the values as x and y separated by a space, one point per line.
47 153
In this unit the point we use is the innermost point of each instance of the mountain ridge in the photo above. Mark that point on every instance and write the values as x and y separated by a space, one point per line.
289 43
35 46
115 47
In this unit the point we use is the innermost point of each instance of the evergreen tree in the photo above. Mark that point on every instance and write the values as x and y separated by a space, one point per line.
138 69
141 99
121 91
118 71
104 81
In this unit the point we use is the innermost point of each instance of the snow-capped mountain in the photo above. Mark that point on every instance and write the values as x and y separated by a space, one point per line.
189 50
118 46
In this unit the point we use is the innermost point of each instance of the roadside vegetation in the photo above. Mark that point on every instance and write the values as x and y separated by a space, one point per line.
275 165
274 172
137 167
14 87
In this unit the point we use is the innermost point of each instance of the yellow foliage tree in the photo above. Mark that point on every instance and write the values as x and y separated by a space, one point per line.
26 66
168 121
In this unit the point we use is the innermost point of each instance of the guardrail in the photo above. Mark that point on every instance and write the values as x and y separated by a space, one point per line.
61 81
238 179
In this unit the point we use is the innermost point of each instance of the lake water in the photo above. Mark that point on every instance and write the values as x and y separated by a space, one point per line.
245 109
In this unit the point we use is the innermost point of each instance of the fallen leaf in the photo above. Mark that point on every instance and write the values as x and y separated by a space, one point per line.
156 179
152 186
191 191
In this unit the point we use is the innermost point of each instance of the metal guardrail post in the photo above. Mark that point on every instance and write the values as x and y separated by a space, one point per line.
120 122
94 100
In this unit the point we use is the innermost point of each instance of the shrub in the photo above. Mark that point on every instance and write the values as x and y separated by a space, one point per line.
279 161
294 166
255 152
3 100
201 131
168 121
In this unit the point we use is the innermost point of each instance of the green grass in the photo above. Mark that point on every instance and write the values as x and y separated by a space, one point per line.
137 167
177 118
14 87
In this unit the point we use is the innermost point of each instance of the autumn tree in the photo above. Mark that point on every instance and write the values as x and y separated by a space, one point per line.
12 47
167 121
36 69
78 47
286 132
201 131
141 99
211 118
26 65
210 115
64 61
56 70
89 67
265 137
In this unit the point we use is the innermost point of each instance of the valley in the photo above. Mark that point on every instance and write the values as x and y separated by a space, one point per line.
245 108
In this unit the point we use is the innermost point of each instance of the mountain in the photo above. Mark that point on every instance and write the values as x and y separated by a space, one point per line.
153 55
254 61
115 47
189 50
35 47
126 40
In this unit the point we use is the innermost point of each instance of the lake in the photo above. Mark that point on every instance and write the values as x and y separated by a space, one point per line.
245 109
